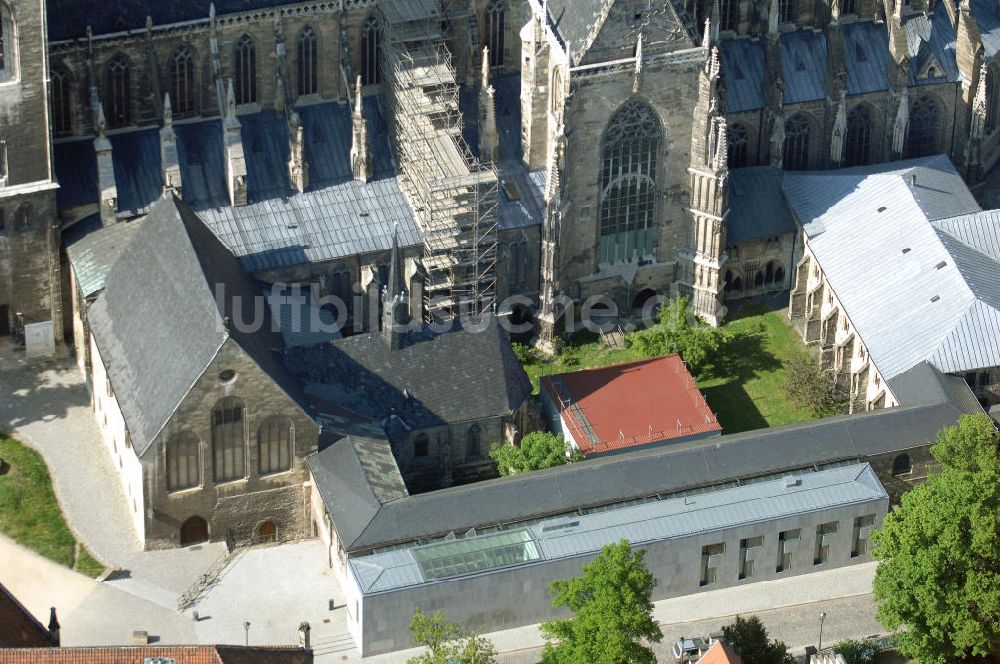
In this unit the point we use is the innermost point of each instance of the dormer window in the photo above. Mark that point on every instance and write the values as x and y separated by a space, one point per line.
8 42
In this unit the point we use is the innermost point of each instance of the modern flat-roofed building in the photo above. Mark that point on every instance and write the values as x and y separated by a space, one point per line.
702 539
619 407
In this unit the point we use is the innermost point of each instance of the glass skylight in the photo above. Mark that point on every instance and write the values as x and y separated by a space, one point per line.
478 554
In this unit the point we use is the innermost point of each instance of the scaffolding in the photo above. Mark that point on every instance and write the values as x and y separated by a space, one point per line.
454 195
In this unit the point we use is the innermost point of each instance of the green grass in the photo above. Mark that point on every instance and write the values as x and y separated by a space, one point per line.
743 382
87 565
29 511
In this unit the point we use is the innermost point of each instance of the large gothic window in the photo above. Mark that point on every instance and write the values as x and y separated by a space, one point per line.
183 467
739 145
274 445
308 68
796 148
370 41
628 183
62 102
8 43
925 123
496 27
246 70
786 11
729 14
857 142
473 443
992 97
228 440
182 84
848 7
118 100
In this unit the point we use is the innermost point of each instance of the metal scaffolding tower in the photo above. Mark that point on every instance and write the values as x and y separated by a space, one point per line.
455 196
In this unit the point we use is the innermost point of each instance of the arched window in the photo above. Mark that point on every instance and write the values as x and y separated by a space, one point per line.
630 152
848 7
370 42
758 279
473 442
421 446
194 531
274 445
769 274
518 272
728 282
992 98
779 275
62 102
739 145
183 464
24 217
786 11
118 100
925 123
901 465
857 142
308 66
228 440
556 91
182 85
496 29
246 70
729 14
8 44
796 148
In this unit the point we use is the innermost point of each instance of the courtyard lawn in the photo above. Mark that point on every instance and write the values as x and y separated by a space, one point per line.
30 514
743 383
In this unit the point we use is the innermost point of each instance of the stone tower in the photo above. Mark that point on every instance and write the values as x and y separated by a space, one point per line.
30 293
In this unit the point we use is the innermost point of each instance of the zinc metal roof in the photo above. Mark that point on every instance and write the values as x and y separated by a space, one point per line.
979 230
93 249
866 44
743 73
803 61
645 523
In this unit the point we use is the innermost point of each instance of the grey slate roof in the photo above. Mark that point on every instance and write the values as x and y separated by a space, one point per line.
743 73
920 292
76 170
554 539
265 148
803 61
138 174
932 37
988 20
200 153
566 490
456 376
158 325
93 249
925 384
573 21
866 43
757 208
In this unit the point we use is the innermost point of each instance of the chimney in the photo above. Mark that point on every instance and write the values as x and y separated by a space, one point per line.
53 625
304 641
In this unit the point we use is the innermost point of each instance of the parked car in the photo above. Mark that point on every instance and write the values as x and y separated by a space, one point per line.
689 650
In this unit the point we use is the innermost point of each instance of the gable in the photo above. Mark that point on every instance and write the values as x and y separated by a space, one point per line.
618 34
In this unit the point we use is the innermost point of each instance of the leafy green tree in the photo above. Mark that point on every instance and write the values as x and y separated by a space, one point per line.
858 651
810 386
678 330
939 552
613 608
749 637
448 643
537 450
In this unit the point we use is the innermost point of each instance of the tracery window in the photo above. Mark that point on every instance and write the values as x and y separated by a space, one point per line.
796 147
729 14
628 183
274 445
246 70
857 141
308 65
118 111
739 145
62 102
371 38
228 440
24 217
8 42
473 449
182 84
925 122
786 11
183 466
848 7
496 27
992 97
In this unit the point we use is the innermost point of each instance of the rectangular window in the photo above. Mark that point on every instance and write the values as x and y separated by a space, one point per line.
746 562
821 553
859 544
784 555
708 552
970 378
984 378
3 163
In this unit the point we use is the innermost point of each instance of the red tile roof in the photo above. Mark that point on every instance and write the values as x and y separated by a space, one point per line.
18 628
720 653
631 404
138 655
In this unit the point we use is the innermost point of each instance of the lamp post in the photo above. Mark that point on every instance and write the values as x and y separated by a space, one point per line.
822 617
246 629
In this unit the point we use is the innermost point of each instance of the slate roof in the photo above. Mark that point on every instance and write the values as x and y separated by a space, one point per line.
93 249
76 170
18 628
866 44
757 207
932 38
142 654
743 73
988 20
265 149
589 485
138 173
803 60
574 20
925 384
158 325
646 523
201 156
456 376
920 292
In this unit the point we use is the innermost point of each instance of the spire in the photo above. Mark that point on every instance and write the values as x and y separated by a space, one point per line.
230 101
484 74
772 20
168 113
638 65
721 157
706 40
361 163
835 11
839 131
900 124
358 98
395 305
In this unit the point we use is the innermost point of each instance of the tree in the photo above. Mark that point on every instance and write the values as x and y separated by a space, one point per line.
939 552
748 636
679 331
537 450
810 386
448 643
613 608
858 651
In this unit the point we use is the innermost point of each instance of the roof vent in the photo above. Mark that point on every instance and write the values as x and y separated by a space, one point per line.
882 209
791 480
935 298
913 179
940 265
906 250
